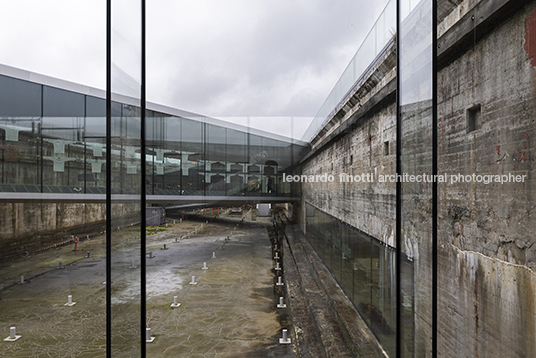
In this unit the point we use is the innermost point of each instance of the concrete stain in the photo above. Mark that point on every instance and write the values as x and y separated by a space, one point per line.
530 38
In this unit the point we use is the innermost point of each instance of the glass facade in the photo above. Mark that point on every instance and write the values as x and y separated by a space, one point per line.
365 269
78 167
415 152
55 142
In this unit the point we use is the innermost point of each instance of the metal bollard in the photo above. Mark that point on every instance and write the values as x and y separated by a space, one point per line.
12 335
284 339
148 337
70 302
281 304
175 304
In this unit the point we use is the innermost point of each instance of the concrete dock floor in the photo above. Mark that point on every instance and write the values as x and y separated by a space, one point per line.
231 312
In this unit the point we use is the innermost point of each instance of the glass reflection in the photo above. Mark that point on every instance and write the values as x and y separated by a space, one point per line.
415 78
125 177
365 267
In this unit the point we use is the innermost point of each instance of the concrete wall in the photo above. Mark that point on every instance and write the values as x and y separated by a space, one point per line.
486 232
31 226
487 254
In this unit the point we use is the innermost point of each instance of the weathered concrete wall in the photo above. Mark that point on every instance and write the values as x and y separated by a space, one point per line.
487 255
369 206
30 226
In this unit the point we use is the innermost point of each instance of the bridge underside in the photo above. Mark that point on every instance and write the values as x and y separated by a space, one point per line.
170 201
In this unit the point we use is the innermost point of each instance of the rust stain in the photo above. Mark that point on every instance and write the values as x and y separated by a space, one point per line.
527 137
499 150
489 163
530 37
523 157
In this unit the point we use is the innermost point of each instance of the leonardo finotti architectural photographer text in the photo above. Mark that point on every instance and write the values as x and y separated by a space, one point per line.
406 178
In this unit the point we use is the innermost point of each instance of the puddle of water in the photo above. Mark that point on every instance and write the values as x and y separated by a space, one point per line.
159 283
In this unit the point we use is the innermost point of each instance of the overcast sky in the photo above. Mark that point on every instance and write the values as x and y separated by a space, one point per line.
265 61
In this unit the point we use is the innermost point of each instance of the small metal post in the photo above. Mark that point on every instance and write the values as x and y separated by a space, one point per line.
284 339
281 304
70 302
213 255
175 304
205 266
12 335
193 281
148 337
277 268
279 282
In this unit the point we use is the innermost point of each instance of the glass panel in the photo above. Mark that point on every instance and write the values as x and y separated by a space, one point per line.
362 274
336 253
20 112
347 271
61 262
415 76
237 160
193 157
19 98
365 269
62 103
216 165
374 43
383 299
257 155
125 178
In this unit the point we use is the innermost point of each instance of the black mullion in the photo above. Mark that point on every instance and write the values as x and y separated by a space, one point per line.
108 178
398 232
41 135
434 183
143 310
85 144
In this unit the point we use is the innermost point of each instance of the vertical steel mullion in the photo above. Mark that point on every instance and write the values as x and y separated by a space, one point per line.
85 144
108 178
143 310
434 183
371 283
398 231
41 135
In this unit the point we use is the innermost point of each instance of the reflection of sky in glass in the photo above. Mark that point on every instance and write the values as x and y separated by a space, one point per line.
126 48
378 37
416 55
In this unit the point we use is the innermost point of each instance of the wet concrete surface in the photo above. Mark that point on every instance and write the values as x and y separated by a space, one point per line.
231 312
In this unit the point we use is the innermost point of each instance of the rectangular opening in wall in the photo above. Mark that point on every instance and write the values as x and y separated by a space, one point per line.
386 148
474 118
